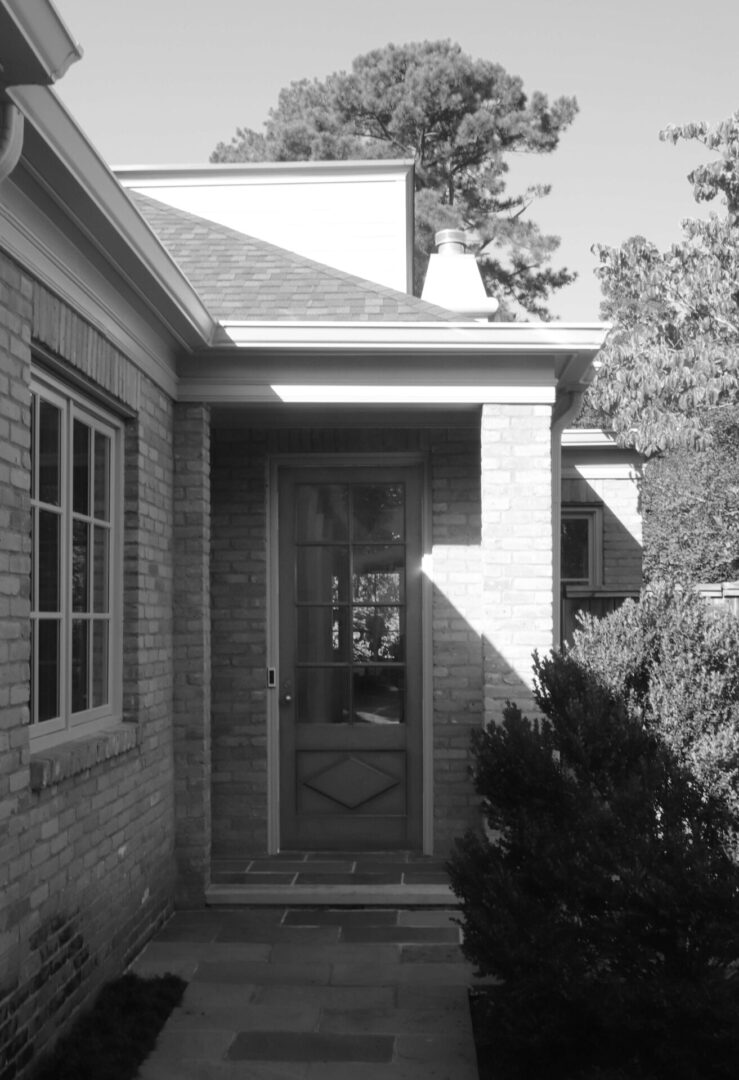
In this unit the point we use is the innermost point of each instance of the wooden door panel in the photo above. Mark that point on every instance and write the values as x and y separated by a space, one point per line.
366 783
350 648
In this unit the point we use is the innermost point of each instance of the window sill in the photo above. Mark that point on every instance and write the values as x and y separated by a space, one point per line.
57 763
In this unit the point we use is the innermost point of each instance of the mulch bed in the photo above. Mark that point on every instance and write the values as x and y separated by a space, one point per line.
118 1033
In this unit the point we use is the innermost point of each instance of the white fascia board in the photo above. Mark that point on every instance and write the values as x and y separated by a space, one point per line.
80 182
536 338
40 47
284 172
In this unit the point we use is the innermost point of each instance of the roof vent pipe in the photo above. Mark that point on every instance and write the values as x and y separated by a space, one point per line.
451 242
453 279
11 138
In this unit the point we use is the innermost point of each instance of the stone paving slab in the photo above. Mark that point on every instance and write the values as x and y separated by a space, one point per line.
400 934
285 974
311 1046
333 954
396 1021
305 1001
336 997
371 974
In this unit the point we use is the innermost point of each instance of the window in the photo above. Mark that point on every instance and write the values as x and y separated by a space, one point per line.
581 531
75 578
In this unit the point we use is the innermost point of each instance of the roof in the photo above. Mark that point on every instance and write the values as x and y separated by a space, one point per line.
239 277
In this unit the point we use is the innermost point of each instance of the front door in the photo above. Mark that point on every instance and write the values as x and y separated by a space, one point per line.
350 658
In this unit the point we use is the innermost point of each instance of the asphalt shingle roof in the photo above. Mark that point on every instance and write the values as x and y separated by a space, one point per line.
241 278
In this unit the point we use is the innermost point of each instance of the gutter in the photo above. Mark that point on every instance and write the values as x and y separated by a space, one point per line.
11 138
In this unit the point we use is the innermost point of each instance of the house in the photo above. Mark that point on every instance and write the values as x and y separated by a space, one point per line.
275 539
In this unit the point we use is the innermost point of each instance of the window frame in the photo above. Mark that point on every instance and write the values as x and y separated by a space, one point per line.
593 515
75 405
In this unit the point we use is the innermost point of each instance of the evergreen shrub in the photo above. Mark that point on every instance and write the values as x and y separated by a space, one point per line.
601 896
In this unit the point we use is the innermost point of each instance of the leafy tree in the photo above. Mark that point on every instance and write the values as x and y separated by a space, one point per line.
672 357
457 118
690 507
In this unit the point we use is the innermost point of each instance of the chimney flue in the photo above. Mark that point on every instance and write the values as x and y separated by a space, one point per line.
455 283
451 242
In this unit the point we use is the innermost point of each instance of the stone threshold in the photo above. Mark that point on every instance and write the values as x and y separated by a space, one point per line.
330 895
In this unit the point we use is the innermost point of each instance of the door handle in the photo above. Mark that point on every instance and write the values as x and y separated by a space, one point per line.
286 699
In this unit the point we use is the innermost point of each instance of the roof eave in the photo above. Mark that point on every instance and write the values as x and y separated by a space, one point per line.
61 158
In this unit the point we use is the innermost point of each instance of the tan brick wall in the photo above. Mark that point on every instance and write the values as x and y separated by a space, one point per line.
86 862
192 651
457 613
516 549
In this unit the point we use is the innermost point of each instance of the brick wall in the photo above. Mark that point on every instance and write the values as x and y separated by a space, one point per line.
192 651
516 550
457 612
239 598
86 852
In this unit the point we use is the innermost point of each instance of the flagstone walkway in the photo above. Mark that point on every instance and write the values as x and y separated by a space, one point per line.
313 994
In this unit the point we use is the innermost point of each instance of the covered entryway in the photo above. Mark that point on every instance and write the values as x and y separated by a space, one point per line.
349 611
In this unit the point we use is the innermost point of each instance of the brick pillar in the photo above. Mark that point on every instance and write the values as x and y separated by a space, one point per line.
516 480
192 749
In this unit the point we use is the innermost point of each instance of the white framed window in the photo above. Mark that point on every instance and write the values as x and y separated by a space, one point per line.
581 545
76 494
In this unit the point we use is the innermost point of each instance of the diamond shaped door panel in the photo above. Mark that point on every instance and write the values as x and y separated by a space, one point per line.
351 782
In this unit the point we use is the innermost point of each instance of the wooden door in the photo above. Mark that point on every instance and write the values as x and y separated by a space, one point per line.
350 658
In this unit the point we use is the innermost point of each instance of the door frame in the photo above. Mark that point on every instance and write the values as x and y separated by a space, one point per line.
337 461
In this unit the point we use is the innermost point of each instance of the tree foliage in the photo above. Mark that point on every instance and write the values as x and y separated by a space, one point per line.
672 357
690 507
457 118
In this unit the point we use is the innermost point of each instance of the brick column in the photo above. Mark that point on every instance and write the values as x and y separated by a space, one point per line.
192 743
516 479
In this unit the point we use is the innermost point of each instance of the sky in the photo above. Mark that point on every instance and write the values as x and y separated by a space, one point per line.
162 82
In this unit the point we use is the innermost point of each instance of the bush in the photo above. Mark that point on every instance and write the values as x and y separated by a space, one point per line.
674 660
601 895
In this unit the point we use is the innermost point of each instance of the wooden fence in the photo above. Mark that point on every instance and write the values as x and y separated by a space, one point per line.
725 593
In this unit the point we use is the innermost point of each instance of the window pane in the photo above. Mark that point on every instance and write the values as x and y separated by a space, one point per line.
376 634
321 512
81 468
48 669
80 566
378 575
322 574
102 476
99 662
49 572
49 452
80 690
576 549
322 696
322 634
378 695
100 580
378 511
